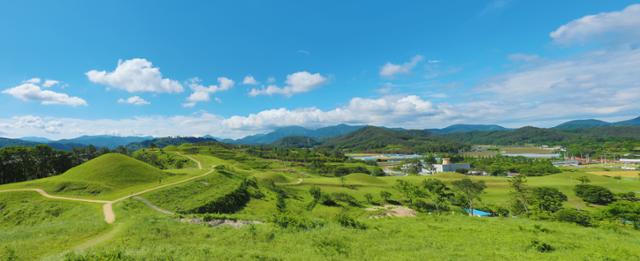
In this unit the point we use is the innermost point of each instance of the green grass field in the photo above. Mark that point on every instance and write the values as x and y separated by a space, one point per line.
33 227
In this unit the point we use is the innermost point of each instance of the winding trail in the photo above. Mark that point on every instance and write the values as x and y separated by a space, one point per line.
107 207
153 206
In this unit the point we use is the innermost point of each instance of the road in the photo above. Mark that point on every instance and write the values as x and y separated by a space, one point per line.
107 207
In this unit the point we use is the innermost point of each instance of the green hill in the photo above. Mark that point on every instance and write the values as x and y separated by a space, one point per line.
114 170
378 139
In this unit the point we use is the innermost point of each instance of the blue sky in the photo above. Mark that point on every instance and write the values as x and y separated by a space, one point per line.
177 67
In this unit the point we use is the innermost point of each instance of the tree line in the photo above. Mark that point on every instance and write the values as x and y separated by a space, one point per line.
28 163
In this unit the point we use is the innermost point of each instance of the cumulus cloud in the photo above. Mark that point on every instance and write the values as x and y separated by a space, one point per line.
199 124
620 25
298 82
249 80
31 90
135 75
134 100
201 93
388 111
50 83
391 69
597 83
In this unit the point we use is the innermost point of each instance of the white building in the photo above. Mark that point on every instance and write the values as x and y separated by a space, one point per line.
447 166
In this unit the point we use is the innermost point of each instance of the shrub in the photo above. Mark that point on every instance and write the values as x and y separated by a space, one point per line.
542 247
548 199
571 215
295 222
346 198
349 222
625 211
594 194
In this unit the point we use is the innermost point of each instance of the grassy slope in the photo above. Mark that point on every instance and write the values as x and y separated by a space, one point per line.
425 237
32 226
109 177
422 238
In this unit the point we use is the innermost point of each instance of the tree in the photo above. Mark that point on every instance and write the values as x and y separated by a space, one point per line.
594 194
470 190
520 194
385 195
409 190
583 179
624 211
547 199
440 193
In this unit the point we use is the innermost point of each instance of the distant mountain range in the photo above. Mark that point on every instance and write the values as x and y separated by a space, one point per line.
591 123
317 134
107 141
296 136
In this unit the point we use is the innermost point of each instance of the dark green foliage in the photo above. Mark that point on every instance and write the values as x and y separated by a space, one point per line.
542 247
571 215
166 141
594 194
501 165
316 195
441 194
345 198
281 204
229 203
349 222
385 195
626 212
296 222
377 139
547 199
28 163
296 142
470 190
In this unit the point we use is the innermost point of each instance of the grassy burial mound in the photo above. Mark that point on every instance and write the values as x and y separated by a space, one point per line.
104 175
203 195
363 179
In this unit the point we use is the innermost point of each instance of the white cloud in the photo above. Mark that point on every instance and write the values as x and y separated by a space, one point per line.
249 80
135 75
597 83
389 111
199 124
134 100
30 90
390 69
298 82
50 83
618 25
201 93
33 80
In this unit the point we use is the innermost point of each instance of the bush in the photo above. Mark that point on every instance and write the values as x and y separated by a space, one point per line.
295 222
571 215
542 247
346 198
349 222
548 199
626 212
594 194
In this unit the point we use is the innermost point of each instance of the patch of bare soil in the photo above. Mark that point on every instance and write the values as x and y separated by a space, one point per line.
392 211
